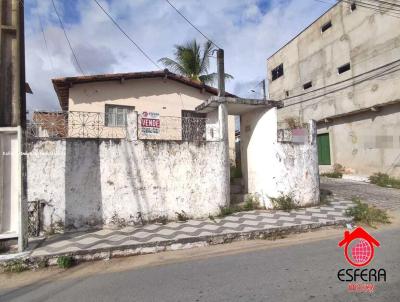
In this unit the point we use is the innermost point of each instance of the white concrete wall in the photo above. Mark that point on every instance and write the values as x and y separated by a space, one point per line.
271 169
9 183
86 182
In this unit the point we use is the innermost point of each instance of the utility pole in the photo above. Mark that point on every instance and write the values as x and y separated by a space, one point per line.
12 100
221 72
223 119
264 90
12 64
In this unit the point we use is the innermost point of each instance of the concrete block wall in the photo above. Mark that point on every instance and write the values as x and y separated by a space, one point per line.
92 183
270 168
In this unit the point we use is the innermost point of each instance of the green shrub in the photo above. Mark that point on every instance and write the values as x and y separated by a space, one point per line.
284 202
65 261
334 174
384 180
15 266
366 214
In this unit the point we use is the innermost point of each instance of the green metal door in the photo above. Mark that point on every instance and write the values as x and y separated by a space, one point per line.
324 153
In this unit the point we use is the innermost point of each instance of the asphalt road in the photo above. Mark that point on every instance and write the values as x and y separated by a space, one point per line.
305 271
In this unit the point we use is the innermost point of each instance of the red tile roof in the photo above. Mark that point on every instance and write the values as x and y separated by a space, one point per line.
62 85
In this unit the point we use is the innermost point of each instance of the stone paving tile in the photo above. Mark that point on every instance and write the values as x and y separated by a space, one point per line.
319 215
344 189
192 229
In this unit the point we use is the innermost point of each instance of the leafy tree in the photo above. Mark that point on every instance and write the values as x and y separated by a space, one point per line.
192 61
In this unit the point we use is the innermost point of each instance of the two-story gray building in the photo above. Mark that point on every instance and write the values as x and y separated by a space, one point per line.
344 72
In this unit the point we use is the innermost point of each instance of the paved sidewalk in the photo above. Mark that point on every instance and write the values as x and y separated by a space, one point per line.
385 198
154 237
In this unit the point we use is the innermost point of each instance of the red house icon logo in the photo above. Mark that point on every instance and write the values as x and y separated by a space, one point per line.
358 247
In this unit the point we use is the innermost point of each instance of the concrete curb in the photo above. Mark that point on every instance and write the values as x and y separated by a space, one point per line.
169 245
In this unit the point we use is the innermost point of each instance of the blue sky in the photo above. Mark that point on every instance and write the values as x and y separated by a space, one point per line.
248 30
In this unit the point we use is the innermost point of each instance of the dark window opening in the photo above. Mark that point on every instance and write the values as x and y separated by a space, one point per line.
344 68
307 85
277 72
353 7
326 26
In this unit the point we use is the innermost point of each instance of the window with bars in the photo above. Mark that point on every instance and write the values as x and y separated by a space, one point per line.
115 115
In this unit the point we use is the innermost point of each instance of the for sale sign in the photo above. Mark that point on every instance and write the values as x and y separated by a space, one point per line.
150 123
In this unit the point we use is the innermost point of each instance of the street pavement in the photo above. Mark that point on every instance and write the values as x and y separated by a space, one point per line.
304 270
385 198
155 237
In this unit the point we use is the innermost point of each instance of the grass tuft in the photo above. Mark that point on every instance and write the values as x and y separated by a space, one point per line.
182 216
333 174
16 266
251 203
226 211
369 215
384 180
65 261
284 203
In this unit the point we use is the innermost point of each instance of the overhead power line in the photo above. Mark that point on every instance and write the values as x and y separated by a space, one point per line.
344 81
46 45
126 35
380 4
389 11
377 8
389 69
66 37
195 27
387 2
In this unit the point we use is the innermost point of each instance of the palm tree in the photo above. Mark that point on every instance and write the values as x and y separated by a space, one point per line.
193 62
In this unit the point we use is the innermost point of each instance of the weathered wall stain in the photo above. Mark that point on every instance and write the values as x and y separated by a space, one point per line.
87 181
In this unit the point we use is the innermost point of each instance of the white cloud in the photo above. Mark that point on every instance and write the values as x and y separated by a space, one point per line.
247 35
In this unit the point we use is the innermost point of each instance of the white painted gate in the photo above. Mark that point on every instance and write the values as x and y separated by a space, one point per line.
10 194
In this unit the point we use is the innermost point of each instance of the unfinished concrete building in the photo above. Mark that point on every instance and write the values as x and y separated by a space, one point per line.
344 72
